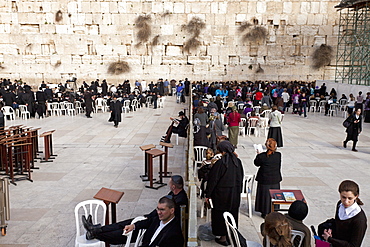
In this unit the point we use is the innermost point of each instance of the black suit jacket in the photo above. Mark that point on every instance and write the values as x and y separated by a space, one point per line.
169 236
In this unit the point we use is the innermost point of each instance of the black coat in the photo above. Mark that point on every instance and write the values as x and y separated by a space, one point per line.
270 168
169 236
225 185
88 101
116 111
354 128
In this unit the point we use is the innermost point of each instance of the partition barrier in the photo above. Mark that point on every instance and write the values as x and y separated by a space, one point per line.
192 187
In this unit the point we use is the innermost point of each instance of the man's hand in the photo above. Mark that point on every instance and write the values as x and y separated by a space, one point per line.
129 228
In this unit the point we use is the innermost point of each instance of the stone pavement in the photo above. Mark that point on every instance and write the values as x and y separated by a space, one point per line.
92 154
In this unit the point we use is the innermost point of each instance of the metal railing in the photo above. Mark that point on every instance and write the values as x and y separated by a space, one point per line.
4 204
192 187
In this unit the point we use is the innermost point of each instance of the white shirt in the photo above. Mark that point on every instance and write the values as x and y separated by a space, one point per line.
347 213
285 97
159 229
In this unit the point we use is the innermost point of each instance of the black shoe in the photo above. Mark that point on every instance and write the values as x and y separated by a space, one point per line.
263 215
116 126
224 243
86 222
89 116
345 144
354 150
89 219
167 141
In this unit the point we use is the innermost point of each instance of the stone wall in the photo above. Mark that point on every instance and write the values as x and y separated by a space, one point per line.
56 40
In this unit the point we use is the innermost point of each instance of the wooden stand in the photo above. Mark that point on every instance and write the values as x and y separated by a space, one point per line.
48 146
146 148
112 197
151 155
166 174
297 194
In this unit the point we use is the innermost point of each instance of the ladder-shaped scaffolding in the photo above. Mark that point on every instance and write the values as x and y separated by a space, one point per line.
353 54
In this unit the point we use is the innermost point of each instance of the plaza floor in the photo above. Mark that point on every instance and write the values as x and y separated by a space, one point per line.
93 154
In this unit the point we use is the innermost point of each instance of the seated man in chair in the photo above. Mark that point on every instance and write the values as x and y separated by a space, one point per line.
179 126
113 233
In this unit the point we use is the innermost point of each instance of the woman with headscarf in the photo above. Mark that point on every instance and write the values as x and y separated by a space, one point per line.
224 186
268 176
233 120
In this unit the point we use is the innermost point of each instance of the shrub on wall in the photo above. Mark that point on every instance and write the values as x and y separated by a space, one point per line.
143 24
322 56
117 68
194 27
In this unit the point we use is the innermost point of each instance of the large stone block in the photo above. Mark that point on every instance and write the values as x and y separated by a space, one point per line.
113 7
178 8
122 7
174 60
199 60
166 29
261 7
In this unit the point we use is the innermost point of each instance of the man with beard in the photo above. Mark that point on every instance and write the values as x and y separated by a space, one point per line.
41 101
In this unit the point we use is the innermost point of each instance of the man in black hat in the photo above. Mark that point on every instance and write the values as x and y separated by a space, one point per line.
179 126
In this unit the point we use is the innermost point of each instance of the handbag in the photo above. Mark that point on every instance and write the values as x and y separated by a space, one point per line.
346 123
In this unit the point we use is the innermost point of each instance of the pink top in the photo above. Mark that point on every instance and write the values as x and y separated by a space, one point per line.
234 119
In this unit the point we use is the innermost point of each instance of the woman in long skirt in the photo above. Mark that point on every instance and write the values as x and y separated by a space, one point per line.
275 126
268 176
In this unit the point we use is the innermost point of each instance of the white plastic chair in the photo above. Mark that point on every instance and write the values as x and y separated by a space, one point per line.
9 111
252 124
148 101
232 233
174 91
241 106
70 109
25 114
55 109
263 124
134 105
248 182
139 236
199 154
161 102
266 113
62 108
242 125
342 104
97 209
78 107
177 138
313 105
257 109
126 106
333 109
322 106
295 234
99 105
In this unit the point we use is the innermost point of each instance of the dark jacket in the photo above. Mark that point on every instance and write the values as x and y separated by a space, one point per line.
225 185
354 128
116 111
270 168
349 232
169 236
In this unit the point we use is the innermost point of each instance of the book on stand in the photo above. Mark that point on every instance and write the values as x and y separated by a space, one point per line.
289 196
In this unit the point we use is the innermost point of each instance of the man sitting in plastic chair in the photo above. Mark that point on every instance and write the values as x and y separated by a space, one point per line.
177 126
163 224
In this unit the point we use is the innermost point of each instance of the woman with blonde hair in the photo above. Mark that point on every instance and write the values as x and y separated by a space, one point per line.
268 176
278 230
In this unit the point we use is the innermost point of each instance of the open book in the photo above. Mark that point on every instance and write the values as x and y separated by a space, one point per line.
258 148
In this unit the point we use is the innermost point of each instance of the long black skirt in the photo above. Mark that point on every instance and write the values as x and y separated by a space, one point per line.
218 222
263 198
275 132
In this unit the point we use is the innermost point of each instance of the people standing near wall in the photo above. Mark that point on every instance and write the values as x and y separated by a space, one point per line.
233 121
359 100
367 109
115 107
354 128
268 176
275 126
88 97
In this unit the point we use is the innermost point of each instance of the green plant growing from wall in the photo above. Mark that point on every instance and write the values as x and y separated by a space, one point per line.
322 56
143 25
155 40
252 32
117 68
194 27
58 16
